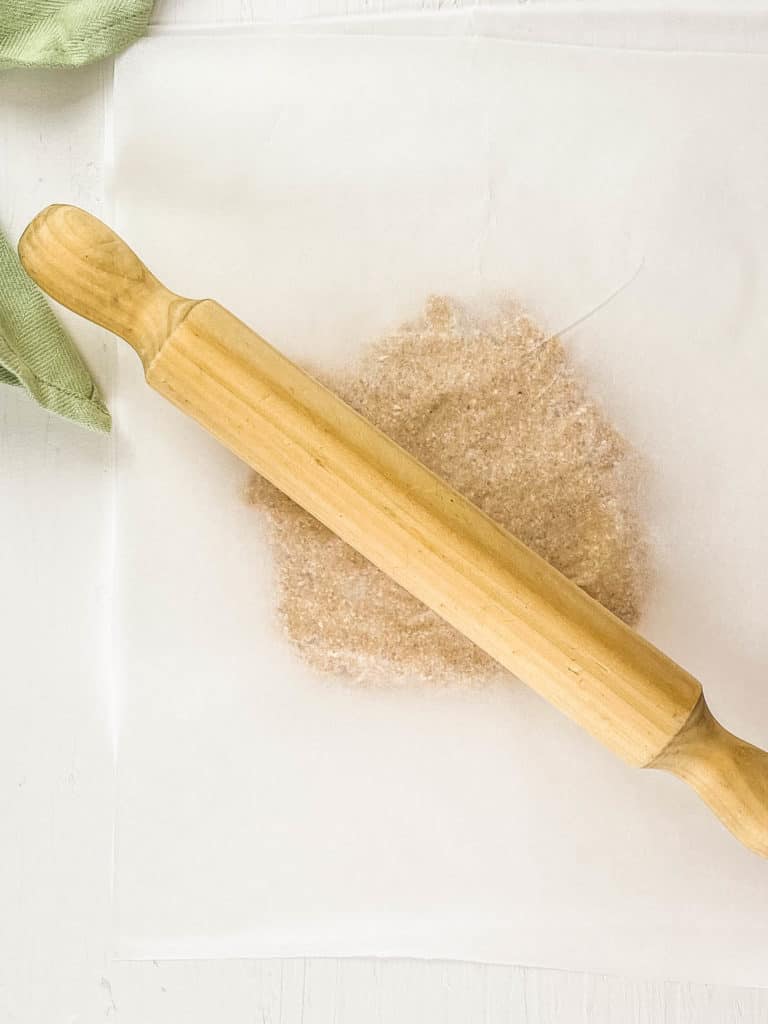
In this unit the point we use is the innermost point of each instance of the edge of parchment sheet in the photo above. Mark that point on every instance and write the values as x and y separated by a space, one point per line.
401 950
108 164
674 29
595 26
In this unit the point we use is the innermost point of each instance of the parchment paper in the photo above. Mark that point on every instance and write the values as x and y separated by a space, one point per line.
321 187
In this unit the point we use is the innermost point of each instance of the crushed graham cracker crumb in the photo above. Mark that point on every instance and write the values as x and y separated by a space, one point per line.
493 405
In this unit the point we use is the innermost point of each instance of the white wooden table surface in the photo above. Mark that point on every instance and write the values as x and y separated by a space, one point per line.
55 771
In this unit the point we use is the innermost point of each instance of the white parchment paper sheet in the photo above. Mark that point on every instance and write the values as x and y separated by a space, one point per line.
322 187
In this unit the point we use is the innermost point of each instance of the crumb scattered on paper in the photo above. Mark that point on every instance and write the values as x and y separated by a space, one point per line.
495 407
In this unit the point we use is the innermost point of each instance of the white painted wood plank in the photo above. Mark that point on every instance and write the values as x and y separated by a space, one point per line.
411 992
55 757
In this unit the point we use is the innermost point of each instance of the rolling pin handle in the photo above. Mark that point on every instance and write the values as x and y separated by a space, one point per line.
86 267
729 774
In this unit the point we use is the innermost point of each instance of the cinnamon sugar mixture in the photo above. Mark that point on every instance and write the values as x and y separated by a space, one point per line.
493 406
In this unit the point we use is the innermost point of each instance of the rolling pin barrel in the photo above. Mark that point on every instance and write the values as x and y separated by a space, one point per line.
404 519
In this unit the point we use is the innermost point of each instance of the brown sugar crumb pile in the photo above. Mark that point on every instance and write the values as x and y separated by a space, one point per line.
493 406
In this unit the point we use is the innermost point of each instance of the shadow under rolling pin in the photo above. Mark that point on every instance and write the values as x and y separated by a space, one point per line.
404 519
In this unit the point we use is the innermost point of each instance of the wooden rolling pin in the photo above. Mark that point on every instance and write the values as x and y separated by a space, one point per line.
402 517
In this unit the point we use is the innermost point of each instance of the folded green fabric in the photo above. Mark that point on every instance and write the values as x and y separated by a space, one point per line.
35 350
38 354
66 33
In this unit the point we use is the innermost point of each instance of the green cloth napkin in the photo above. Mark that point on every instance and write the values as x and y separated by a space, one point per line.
35 351
38 354
66 33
